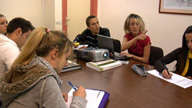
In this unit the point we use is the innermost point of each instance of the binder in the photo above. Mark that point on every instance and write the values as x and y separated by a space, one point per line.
95 98
104 100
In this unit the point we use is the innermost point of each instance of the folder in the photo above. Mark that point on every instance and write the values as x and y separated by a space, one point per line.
104 100
71 66
95 98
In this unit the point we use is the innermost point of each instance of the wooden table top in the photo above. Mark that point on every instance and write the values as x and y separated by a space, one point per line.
129 90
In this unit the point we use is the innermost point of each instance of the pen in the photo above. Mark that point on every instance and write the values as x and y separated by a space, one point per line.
72 85
166 68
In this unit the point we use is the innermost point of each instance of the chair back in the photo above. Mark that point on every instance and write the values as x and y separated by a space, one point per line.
1 103
155 54
77 38
117 45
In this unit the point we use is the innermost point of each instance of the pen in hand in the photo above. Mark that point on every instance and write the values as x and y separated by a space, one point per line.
72 85
166 69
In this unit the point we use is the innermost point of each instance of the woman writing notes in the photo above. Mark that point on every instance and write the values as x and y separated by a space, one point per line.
33 80
135 40
182 55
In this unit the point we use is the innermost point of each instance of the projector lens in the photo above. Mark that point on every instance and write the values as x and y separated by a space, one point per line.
105 55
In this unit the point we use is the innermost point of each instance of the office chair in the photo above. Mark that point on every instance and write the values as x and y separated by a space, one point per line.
117 45
155 54
1 103
76 38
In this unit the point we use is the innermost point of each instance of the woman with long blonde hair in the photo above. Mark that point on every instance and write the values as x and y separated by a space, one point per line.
33 81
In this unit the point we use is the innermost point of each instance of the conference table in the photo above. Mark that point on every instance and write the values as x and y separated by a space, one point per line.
127 89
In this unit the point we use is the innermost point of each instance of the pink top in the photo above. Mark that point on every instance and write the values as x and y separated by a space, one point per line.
137 49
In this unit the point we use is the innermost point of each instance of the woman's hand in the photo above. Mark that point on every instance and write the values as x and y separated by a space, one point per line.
80 92
166 75
189 77
127 54
141 36
65 96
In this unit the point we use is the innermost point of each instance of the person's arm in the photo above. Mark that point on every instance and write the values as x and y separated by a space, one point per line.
81 37
145 57
77 98
172 56
53 97
146 54
10 54
77 38
166 74
127 44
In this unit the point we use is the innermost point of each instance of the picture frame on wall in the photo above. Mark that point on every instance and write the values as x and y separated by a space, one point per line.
175 6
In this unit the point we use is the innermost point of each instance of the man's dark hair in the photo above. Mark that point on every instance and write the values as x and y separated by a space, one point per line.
19 23
89 18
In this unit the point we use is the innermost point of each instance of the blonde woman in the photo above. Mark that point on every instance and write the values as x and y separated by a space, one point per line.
135 41
33 81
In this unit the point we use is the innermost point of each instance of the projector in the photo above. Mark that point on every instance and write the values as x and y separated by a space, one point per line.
92 54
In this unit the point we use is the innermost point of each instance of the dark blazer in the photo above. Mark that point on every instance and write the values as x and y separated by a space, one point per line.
86 37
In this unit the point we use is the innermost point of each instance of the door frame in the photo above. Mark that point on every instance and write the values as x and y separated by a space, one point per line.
93 11
64 15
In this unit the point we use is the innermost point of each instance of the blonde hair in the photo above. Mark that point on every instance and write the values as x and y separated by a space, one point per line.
138 19
41 42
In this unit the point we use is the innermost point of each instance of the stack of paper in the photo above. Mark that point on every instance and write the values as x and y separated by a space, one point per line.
104 65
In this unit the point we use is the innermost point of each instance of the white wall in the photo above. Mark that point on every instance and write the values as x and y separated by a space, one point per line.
38 12
77 12
49 13
165 30
58 15
29 9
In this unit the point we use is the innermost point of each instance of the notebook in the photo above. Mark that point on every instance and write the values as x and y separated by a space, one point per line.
104 65
107 43
95 98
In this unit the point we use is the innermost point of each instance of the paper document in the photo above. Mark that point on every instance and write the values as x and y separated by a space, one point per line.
81 46
93 97
175 79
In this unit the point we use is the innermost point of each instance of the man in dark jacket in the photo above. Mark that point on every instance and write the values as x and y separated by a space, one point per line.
89 35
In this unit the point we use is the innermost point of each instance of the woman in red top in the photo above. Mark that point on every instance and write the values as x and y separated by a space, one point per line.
135 40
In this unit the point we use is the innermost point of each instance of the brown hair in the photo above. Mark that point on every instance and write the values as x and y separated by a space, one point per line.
19 22
41 42
89 18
